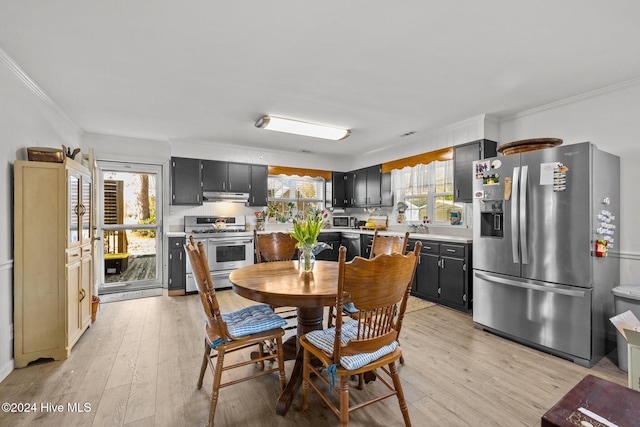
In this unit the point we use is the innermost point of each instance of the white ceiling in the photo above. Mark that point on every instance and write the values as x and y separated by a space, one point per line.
206 70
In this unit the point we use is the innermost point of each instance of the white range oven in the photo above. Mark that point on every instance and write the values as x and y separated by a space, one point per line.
227 245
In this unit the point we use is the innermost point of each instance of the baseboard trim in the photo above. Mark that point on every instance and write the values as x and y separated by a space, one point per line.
6 369
123 296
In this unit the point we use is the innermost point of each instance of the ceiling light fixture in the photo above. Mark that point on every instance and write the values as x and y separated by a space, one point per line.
302 128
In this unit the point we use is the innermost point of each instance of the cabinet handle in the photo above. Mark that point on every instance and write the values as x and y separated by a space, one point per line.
451 250
442 263
83 293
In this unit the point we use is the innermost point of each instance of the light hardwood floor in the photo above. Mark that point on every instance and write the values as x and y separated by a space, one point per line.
138 365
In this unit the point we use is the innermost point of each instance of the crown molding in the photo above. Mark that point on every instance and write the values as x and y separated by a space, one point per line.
572 99
19 73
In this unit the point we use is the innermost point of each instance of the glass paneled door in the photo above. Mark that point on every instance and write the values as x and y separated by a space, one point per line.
130 222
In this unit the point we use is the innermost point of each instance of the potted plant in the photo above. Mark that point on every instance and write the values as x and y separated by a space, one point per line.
272 212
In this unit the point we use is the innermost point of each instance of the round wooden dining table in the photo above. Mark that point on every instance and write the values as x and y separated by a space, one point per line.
282 284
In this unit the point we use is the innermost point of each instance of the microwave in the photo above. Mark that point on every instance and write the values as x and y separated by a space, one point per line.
344 222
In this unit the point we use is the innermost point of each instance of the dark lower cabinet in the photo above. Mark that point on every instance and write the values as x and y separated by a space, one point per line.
426 283
366 243
443 274
177 266
332 239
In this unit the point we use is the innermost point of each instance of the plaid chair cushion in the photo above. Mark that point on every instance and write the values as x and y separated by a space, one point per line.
252 319
324 339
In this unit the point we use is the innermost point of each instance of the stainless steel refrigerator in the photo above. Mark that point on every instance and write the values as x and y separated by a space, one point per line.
543 222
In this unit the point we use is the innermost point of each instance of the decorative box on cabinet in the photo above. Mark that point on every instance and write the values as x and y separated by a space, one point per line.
53 258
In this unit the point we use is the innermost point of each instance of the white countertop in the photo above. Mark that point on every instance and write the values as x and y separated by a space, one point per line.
441 236
176 234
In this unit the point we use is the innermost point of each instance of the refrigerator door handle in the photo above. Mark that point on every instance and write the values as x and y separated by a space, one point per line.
514 216
532 286
524 248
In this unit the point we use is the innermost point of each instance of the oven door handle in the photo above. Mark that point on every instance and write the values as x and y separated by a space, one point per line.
233 242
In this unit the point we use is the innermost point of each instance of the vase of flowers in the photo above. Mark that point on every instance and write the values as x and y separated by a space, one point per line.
306 232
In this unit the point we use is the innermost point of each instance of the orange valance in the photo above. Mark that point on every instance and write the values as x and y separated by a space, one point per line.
424 158
313 173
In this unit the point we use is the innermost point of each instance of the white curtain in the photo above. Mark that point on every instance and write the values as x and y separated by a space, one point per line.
410 181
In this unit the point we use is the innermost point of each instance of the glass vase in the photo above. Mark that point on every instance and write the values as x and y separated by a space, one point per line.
306 258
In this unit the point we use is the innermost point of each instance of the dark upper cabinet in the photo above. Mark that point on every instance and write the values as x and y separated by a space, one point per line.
367 190
259 185
374 177
349 185
338 199
463 157
224 176
360 187
214 175
186 181
239 178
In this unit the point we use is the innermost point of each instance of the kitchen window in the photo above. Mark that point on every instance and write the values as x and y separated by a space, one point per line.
427 190
290 195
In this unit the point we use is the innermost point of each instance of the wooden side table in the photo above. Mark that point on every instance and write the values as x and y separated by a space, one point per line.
617 404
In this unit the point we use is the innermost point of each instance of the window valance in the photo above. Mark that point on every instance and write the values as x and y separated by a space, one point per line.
313 173
424 158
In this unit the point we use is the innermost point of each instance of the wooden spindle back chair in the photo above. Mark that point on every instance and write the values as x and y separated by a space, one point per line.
388 244
379 287
272 247
229 332
380 245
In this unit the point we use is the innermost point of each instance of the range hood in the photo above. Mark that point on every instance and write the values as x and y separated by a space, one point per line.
223 196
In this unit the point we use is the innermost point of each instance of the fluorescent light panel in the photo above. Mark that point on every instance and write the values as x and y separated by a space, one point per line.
301 128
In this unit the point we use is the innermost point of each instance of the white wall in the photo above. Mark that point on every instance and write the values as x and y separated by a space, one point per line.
484 126
27 119
609 119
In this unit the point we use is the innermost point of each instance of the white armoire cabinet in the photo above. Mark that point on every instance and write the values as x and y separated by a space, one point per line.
52 258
